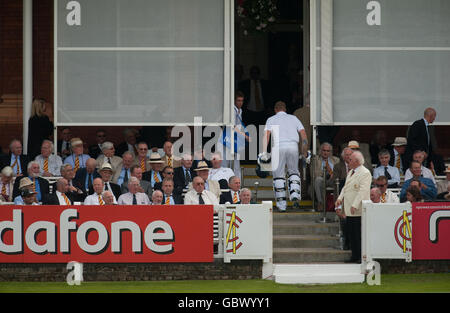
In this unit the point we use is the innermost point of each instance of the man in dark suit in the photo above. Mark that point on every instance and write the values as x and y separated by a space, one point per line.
257 100
184 174
169 197
106 174
398 158
41 185
419 136
61 196
231 196
85 176
15 159
100 138
63 144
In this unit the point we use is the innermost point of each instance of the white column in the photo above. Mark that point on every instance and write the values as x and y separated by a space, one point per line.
326 58
27 68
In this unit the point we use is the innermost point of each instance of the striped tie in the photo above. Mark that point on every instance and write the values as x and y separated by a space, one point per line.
77 164
235 197
169 161
383 198
167 200
4 192
143 165
17 169
66 199
100 200
397 163
155 177
46 165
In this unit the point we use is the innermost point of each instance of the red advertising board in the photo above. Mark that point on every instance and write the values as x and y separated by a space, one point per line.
431 231
106 234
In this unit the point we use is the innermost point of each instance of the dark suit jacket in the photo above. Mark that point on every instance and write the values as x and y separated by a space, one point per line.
43 185
5 160
52 199
114 188
417 140
59 148
392 159
179 179
176 197
80 178
94 151
226 197
245 87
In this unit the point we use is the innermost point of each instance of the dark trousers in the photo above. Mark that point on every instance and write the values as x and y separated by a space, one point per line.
354 232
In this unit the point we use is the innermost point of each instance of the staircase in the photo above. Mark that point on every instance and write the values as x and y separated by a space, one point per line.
305 249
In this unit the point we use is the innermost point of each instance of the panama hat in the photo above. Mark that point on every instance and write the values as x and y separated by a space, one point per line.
155 158
202 166
25 182
353 144
400 141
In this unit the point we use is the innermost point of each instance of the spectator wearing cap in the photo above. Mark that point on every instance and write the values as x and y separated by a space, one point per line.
77 159
29 197
426 185
108 156
106 174
25 183
61 196
154 174
198 195
41 185
232 196
133 196
397 153
49 163
6 184
384 169
202 170
15 159
355 146
443 186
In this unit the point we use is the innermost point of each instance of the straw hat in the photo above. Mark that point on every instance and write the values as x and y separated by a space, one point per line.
25 182
400 141
353 144
155 158
202 166
76 142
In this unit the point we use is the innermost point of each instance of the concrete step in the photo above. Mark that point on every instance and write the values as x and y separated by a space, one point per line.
249 181
305 241
305 228
310 255
301 216
318 273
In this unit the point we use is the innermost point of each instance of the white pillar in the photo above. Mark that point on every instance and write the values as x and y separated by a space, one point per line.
27 68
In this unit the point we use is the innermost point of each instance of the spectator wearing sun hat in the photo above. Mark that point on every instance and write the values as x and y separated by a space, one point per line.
154 174
397 152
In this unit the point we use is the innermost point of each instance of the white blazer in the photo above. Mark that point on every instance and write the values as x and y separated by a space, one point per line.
356 189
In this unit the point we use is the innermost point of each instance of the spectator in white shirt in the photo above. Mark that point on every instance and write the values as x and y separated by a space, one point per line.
49 164
387 196
384 169
219 173
419 156
133 197
199 195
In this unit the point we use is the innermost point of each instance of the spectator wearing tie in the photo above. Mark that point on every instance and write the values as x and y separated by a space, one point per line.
375 195
108 156
387 196
77 159
384 169
64 144
141 158
96 150
41 185
198 195
15 158
133 196
168 158
96 198
154 174
61 196
6 184
85 176
232 196
398 154
106 174
49 164
76 190
129 144
123 171
144 186
202 170
169 197
184 174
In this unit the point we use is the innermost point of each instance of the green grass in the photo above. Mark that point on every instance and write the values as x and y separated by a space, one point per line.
390 283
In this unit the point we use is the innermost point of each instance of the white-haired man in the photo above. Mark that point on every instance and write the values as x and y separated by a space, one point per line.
49 163
355 190
6 184
108 156
41 185
133 196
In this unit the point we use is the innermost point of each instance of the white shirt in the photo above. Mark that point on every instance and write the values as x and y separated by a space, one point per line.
390 197
220 173
284 128
392 170
427 173
93 199
191 197
127 199
54 164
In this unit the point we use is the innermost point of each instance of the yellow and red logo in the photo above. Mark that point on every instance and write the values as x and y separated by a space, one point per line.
232 225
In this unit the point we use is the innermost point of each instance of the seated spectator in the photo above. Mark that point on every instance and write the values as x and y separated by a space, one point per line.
326 161
157 197
425 185
420 157
96 150
375 195
106 174
96 198
6 184
123 171
63 148
198 195
25 183
141 158
108 197
29 197
108 156
15 159
443 186
387 196
168 158
133 196
384 169
76 190
77 159
232 196
398 158
129 144
413 194
169 197
41 185
246 196
167 172
144 186
184 174
85 176
156 165
61 196
219 173
49 163
202 170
